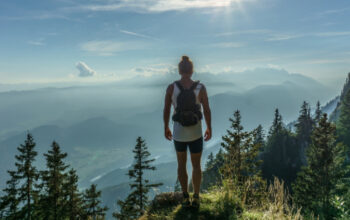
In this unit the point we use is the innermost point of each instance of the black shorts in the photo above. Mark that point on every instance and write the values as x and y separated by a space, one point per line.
195 146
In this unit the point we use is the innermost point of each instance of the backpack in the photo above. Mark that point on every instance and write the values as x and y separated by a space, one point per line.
187 110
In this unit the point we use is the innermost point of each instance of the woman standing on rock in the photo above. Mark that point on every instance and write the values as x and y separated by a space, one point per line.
187 97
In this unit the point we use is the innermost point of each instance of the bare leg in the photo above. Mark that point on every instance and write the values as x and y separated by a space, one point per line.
181 170
196 171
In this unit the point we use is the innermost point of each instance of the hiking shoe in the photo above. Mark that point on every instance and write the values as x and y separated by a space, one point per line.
186 200
195 201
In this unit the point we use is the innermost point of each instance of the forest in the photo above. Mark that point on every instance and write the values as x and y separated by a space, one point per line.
299 170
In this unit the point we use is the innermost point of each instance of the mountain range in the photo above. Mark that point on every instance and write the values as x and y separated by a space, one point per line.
98 125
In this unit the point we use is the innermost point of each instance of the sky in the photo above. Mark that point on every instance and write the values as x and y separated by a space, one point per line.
45 41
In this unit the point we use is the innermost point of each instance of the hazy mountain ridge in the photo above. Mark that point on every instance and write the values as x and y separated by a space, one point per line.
100 138
65 106
100 144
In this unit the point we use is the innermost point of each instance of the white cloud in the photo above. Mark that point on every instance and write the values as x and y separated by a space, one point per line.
241 32
228 44
84 70
333 34
109 48
334 11
154 6
137 34
45 15
281 37
155 69
39 42
328 61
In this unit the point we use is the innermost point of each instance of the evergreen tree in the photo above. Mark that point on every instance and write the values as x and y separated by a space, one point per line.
73 205
92 204
259 136
211 174
177 187
343 128
318 112
2 209
10 202
241 164
210 160
317 182
136 202
127 209
304 124
190 185
232 145
280 156
277 125
304 127
346 87
52 200
27 175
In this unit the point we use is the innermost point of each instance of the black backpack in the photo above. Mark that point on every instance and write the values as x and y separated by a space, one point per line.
187 110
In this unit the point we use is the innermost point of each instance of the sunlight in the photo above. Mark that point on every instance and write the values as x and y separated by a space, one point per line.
166 5
224 12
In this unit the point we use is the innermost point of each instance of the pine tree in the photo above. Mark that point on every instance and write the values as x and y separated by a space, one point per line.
304 127
10 202
210 160
304 124
317 182
2 208
73 205
92 204
241 163
53 178
232 146
346 87
280 156
137 200
259 137
343 128
27 174
277 125
318 112
177 187
127 209
211 174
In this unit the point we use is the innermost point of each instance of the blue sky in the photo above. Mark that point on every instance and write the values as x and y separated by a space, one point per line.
103 40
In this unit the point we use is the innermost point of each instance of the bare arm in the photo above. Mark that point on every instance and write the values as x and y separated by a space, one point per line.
166 112
206 110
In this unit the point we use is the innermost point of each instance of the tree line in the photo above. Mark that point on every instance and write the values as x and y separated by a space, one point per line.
312 159
53 193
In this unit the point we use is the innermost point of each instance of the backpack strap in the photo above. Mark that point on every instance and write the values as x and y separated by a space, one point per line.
179 86
194 85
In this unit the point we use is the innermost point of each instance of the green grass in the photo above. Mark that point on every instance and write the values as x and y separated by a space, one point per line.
224 204
252 215
221 204
210 208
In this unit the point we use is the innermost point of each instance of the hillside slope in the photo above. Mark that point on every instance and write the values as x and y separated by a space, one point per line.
215 205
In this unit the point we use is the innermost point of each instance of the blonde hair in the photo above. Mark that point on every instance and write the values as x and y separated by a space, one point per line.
185 65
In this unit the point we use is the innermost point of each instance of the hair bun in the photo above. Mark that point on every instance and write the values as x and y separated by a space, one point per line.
185 58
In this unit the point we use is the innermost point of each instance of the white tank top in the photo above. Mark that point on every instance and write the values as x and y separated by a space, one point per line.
188 133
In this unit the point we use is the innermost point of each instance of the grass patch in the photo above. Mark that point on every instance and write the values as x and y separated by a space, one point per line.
213 206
